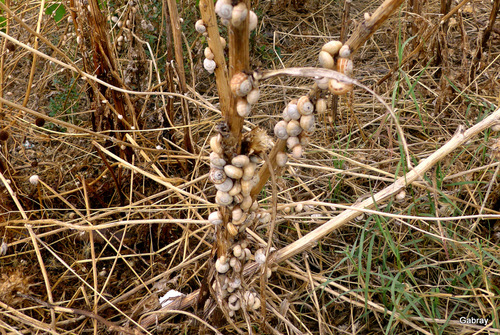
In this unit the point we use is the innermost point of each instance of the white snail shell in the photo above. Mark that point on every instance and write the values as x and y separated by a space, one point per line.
208 53
253 96
307 123
241 84
224 9
322 83
332 47
240 161
292 141
326 60
401 195
260 256
293 111
249 299
215 218
239 14
221 264
280 130
252 21
255 206
233 171
293 128
200 26
236 282
345 66
297 151
217 176
285 115
321 105
246 203
225 186
243 108
223 198
209 65
305 105
237 251
256 304
249 171
233 303
237 213
338 88
345 51
216 160
281 159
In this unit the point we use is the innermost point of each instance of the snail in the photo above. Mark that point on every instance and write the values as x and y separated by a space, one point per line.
221 264
217 176
260 256
239 14
236 188
252 21
237 214
224 9
236 265
216 160
246 203
345 66
233 171
307 123
215 218
208 53
253 96
292 141
280 130
256 304
249 298
200 26
297 151
305 105
232 229
209 65
241 84
332 47
246 187
326 60
339 88
281 159
293 128
240 161
238 251
249 171
225 186
233 302
293 111
223 198
243 108
238 198
344 51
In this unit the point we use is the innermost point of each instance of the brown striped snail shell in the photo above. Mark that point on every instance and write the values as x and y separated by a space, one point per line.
232 229
238 198
345 66
217 176
339 88
332 47
280 130
293 128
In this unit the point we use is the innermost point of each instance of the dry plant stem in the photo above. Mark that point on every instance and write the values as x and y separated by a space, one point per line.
44 273
179 66
13 196
2 58
368 27
265 171
221 75
345 22
457 140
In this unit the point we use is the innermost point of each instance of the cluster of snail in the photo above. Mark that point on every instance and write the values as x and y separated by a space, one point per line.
247 91
228 13
335 56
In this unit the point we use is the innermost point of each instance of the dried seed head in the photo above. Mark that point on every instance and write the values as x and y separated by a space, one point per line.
34 179
332 47
4 135
39 122
241 84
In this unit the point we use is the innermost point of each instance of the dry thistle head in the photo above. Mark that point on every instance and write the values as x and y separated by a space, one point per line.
4 135
39 122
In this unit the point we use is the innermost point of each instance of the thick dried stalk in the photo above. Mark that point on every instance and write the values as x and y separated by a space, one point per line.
369 26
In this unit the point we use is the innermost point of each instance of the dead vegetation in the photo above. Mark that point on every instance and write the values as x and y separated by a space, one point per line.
105 126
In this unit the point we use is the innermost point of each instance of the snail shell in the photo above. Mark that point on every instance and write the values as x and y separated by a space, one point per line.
233 171
238 198
225 186
215 218
208 53
215 144
338 88
236 282
304 138
293 111
321 105
224 9
232 229
307 122
216 160
345 51
217 176
345 66
240 220
305 105
322 83
285 115
222 42
246 187
237 214
249 299
221 264
256 304
239 14
240 161
255 206
252 21
297 151
326 60
280 130
236 265
246 203
243 107
292 141
237 251
332 47
281 159
241 84
249 171
200 26
223 198
209 65
293 128
260 256
233 303
253 96
236 189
